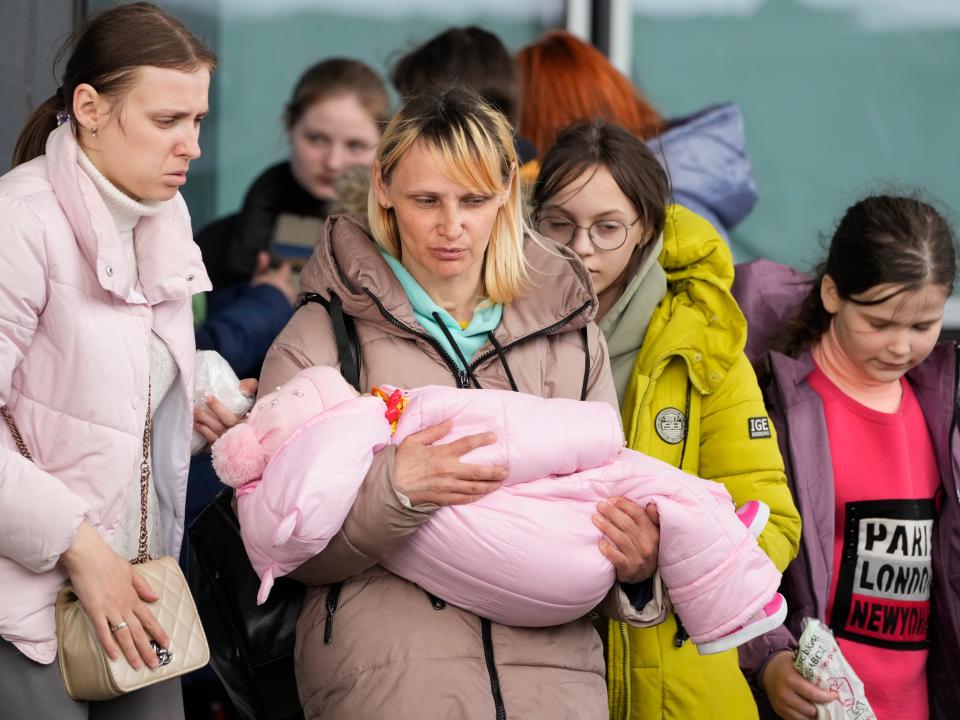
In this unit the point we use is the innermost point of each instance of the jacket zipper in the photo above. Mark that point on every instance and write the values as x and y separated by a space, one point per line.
478 361
333 599
486 631
437 603
462 376
624 635
463 380
681 636
627 690
646 392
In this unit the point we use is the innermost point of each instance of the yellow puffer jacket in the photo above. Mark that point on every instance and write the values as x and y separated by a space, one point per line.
691 375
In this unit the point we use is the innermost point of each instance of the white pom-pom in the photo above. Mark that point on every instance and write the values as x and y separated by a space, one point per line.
238 456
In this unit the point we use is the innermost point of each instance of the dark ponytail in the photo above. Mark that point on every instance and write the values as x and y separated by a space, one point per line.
105 52
882 239
33 137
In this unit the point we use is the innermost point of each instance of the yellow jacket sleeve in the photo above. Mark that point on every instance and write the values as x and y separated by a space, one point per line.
738 447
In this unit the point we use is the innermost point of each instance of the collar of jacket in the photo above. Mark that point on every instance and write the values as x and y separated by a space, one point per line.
168 261
934 382
348 262
929 377
698 318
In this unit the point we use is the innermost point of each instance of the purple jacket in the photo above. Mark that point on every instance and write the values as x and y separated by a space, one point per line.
797 413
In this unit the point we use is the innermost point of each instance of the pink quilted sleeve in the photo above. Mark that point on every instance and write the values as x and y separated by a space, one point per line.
536 437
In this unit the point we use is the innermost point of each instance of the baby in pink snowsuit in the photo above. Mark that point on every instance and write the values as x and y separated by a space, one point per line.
525 554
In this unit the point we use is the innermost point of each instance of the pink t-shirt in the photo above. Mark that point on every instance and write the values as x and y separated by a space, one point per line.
885 479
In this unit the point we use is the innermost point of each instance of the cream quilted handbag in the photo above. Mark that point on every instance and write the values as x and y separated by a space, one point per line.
88 672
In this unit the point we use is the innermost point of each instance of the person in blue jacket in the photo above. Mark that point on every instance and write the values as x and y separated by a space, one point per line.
241 321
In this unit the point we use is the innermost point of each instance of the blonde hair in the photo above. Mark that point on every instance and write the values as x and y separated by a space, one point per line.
475 143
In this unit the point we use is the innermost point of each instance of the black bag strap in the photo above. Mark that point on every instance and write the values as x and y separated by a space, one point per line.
586 362
345 334
348 352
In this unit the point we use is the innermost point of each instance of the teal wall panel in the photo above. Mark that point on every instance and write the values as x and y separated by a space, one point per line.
837 103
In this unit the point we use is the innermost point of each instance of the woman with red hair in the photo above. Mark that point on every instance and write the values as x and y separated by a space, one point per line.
565 79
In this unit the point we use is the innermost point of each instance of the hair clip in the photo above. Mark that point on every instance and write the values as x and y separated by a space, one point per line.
62 117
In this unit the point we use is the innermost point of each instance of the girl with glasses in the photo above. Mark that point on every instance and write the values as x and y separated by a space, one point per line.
687 392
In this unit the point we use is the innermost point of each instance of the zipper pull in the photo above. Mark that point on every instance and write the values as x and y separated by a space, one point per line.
437 603
682 636
333 598
463 379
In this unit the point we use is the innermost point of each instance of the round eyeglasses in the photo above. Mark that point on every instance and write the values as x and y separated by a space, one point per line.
604 234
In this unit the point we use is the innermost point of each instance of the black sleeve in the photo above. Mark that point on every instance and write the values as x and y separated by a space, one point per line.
639 594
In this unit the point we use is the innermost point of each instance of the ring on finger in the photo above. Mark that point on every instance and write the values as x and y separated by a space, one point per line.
118 626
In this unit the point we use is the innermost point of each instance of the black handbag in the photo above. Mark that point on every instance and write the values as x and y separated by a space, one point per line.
251 646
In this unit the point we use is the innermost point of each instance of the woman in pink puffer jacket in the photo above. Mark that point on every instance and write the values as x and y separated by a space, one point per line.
524 555
97 355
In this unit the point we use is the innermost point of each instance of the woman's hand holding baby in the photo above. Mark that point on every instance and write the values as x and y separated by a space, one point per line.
428 473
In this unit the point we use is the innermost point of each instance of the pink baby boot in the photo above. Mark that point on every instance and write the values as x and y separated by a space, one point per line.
766 619
754 514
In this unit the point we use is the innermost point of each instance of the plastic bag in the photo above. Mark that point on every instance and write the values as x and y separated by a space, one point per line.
214 376
820 661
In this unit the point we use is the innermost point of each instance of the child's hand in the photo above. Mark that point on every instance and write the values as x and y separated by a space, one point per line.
215 419
281 278
632 537
791 695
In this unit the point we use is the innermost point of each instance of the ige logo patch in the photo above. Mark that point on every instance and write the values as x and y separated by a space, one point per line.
671 425
759 427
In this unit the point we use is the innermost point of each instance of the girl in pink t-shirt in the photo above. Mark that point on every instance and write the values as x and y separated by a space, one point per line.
862 402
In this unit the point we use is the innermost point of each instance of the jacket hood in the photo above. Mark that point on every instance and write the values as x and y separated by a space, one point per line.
347 261
698 318
769 295
706 159
168 261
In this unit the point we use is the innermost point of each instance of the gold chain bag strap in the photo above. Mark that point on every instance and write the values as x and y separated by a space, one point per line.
88 672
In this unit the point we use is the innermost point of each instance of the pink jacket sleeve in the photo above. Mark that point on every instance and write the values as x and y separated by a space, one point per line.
40 515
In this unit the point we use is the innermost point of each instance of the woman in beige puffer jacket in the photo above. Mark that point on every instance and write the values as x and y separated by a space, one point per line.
370 644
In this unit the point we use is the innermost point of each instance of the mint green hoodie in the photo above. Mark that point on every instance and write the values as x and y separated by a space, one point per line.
486 317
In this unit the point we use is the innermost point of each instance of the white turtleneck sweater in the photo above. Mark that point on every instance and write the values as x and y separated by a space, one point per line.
126 213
